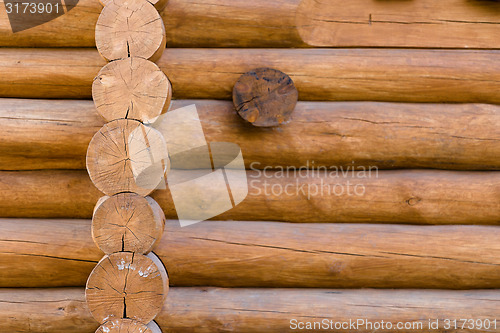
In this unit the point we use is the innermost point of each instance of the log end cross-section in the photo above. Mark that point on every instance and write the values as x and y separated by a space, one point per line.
127 285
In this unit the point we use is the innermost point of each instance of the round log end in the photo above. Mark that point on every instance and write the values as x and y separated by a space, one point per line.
127 326
127 222
127 285
130 28
265 97
127 156
132 88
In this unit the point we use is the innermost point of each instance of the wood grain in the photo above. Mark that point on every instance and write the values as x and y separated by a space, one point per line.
400 75
127 222
289 23
127 285
413 196
132 88
119 153
44 134
251 310
60 253
131 28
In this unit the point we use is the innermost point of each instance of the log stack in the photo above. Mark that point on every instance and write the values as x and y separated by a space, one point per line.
127 288
375 203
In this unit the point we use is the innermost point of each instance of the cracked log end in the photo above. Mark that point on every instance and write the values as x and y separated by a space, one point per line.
130 28
127 222
132 88
127 156
265 97
128 326
127 285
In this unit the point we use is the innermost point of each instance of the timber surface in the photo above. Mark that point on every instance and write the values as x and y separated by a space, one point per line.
60 253
206 310
289 23
55 134
401 196
397 75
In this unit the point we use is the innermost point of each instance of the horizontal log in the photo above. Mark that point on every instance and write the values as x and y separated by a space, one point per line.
45 134
399 75
288 23
60 253
412 196
204 310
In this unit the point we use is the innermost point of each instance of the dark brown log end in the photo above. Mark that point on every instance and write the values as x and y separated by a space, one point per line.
127 222
127 285
265 97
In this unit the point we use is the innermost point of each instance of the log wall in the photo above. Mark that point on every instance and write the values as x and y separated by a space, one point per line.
395 85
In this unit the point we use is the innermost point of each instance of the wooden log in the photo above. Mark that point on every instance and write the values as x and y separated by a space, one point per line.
421 135
400 75
256 310
132 88
289 23
127 285
413 196
128 326
118 154
131 28
127 222
265 97
60 253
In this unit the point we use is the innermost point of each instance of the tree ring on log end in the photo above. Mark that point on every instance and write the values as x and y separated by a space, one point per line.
265 97
128 326
127 156
130 28
127 222
127 285
132 88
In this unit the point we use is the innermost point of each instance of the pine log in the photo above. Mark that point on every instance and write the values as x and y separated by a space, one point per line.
60 253
132 88
43 134
412 196
205 310
289 23
127 285
400 75
127 222
131 28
